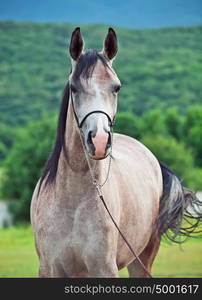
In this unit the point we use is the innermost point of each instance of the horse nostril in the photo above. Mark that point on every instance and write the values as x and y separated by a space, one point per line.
109 141
90 142
89 139
98 142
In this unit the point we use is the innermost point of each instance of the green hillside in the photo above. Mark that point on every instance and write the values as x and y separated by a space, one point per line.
158 68
159 102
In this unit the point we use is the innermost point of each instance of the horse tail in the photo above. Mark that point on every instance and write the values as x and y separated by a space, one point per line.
180 211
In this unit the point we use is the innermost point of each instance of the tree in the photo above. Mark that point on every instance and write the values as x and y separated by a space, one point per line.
24 163
175 155
192 131
153 122
194 179
174 122
129 124
6 140
194 140
193 118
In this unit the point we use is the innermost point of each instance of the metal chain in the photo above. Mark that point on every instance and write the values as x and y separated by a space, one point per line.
94 180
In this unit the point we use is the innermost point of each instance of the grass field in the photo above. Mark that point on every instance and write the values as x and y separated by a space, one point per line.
18 257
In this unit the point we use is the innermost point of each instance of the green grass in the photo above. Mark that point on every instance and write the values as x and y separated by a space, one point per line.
18 257
17 253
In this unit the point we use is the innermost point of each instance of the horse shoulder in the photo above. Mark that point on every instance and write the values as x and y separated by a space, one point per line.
138 156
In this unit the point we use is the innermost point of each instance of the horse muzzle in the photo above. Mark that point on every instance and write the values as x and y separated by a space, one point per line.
99 144
96 131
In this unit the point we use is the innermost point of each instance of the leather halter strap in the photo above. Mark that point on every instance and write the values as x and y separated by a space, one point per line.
80 124
111 122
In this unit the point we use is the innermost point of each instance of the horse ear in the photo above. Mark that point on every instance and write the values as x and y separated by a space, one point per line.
76 44
110 44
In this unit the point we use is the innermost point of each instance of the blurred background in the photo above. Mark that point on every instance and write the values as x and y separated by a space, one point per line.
160 103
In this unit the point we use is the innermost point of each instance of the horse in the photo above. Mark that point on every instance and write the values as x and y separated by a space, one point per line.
74 234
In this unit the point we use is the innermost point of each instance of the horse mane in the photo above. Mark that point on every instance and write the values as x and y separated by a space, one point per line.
50 169
84 67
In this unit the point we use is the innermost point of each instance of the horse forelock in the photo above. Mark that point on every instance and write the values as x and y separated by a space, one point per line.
86 64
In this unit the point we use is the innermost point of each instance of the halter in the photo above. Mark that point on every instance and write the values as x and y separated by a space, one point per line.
80 124
99 186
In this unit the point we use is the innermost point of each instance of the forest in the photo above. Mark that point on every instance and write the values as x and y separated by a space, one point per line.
160 102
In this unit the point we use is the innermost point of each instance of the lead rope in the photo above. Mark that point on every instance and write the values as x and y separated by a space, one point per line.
99 191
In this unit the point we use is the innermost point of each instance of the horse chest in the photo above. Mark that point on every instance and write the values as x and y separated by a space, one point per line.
75 231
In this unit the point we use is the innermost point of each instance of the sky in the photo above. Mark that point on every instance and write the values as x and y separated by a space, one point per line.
128 13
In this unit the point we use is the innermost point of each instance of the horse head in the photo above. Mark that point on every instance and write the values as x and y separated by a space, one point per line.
94 86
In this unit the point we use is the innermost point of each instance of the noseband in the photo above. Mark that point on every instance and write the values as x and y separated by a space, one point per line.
111 122
80 124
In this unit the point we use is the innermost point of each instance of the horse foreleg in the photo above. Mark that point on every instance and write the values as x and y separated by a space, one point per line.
147 257
108 270
44 272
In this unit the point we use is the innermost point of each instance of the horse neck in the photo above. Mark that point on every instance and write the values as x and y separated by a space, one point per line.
74 162
73 144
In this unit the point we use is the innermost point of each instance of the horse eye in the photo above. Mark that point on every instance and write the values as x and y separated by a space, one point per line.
116 88
73 88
